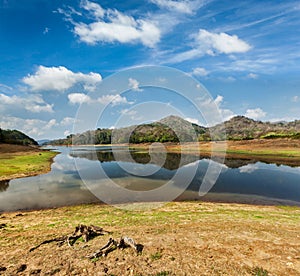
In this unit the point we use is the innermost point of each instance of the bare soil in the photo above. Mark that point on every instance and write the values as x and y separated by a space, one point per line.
185 238
9 148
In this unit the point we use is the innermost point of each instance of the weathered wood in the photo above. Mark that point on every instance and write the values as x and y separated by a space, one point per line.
86 232
113 245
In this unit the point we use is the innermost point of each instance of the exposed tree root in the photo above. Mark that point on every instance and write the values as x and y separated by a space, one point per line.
86 232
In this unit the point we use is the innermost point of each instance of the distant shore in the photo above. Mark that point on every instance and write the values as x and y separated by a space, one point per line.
22 161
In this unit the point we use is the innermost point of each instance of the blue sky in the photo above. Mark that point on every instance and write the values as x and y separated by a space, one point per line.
55 54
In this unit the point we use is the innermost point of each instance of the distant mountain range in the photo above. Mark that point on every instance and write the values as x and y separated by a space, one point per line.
175 129
16 137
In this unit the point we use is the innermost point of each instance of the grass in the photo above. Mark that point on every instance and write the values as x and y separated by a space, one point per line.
189 237
31 163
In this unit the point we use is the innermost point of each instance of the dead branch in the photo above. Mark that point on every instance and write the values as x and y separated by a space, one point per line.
113 245
86 232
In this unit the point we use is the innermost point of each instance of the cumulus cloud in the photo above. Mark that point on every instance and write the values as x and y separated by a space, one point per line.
199 71
59 79
32 127
221 43
95 9
256 113
113 100
295 99
67 121
134 84
209 43
80 98
213 110
34 104
114 26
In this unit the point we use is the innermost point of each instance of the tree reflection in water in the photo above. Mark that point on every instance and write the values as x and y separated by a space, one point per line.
4 184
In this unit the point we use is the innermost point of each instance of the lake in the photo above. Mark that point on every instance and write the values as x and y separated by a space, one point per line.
141 177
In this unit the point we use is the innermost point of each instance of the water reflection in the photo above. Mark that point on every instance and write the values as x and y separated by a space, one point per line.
4 184
246 181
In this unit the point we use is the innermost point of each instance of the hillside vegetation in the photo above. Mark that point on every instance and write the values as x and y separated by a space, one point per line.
15 137
175 129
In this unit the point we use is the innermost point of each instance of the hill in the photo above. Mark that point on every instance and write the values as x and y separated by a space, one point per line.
175 129
16 137
243 128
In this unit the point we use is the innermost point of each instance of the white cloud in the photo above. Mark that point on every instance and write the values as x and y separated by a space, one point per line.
177 6
199 71
252 76
34 103
213 110
94 8
50 124
221 43
134 84
255 114
114 26
5 88
67 121
128 112
295 99
59 79
79 98
31 127
193 121
225 113
208 43
67 133
113 100
40 108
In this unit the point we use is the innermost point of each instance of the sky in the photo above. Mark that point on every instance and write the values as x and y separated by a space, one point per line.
56 56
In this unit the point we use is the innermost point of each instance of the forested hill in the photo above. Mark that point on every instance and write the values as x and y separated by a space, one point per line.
16 137
175 129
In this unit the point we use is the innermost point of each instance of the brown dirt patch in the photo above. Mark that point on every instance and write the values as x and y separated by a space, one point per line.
9 148
186 238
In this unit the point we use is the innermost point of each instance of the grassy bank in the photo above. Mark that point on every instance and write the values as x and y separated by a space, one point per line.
20 161
186 238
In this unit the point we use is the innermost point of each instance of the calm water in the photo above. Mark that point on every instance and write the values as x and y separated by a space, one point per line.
245 181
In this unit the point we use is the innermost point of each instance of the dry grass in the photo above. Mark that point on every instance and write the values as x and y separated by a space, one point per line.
186 238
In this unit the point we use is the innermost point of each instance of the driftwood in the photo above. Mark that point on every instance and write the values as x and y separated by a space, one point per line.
86 232
89 232
113 245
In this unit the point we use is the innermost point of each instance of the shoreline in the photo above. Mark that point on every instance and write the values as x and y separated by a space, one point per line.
24 161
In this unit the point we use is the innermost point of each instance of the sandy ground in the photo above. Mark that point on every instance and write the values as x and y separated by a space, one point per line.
186 238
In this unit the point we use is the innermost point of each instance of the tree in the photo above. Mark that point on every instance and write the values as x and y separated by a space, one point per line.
1 136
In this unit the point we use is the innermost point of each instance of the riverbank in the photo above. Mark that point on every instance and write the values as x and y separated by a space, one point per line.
185 238
22 161
281 151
